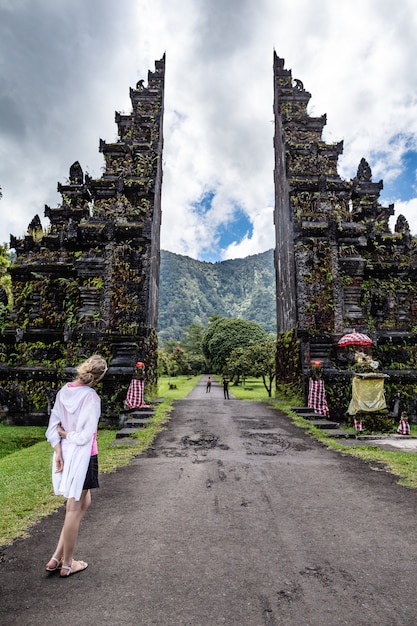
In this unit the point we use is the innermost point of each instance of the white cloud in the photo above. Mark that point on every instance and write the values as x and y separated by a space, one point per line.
261 239
65 67
409 210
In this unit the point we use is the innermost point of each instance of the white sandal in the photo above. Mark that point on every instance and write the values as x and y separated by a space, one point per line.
70 571
57 566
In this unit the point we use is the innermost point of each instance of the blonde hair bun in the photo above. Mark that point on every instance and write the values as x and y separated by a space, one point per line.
92 370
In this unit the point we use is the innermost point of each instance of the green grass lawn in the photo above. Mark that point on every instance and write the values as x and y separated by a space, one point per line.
15 438
249 389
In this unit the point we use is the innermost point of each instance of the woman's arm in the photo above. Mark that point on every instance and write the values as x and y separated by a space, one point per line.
87 423
59 463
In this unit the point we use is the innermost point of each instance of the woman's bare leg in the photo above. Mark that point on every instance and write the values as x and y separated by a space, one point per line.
76 509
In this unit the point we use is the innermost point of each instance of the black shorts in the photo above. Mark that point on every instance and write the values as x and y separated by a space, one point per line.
91 478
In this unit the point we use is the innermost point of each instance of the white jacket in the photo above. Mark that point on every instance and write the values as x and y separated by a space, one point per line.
78 409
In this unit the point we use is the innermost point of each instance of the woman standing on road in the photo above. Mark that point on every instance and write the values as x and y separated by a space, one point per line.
72 432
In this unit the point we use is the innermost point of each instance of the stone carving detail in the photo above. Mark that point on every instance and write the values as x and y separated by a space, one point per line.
76 174
35 224
364 171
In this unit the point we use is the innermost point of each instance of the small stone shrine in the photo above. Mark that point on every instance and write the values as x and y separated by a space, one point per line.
89 283
339 267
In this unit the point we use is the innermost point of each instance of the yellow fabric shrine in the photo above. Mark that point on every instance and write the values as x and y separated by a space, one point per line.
367 395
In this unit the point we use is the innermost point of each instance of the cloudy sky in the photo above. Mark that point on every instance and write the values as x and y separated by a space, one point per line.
66 66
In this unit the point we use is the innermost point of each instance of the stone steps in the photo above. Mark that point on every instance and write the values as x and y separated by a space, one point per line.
311 416
125 432
137 422
139 413
328 427
325 424
133 421
308 414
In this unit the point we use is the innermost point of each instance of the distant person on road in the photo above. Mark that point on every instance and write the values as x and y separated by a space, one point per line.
208 385
226 388
72 432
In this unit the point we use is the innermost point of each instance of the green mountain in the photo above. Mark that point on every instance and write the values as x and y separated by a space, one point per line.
191 291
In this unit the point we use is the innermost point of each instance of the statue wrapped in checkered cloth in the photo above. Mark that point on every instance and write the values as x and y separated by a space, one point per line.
403 426
317 397
135 397
316 392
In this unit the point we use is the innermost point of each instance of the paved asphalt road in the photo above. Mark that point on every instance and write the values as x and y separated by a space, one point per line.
234 517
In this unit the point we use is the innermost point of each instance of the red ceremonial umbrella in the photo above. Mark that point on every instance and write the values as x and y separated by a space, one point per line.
355 339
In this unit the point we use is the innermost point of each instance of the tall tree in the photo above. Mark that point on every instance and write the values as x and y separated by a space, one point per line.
239 365
258 359
262 356
191 340
225 334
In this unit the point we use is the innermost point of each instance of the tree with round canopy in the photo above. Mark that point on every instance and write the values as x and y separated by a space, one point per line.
224 335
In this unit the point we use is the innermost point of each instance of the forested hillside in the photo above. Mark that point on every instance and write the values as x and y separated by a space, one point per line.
191 291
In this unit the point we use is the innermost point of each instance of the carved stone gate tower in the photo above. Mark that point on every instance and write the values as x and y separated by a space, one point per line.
90 282
338 265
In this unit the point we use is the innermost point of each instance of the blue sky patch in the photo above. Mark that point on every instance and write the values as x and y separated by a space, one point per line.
235 230
404 187
204 204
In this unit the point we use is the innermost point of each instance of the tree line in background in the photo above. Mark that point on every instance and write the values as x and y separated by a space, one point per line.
233 347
